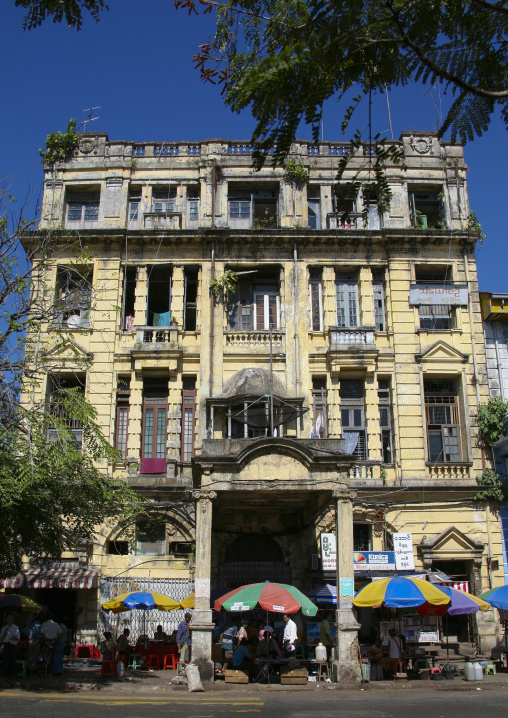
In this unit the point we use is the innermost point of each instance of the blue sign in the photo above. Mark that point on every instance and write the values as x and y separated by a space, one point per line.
374 560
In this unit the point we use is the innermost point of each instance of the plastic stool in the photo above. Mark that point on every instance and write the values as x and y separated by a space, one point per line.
108 668
170 661
323 671
154 662
22 664
489 668
134 661
433 670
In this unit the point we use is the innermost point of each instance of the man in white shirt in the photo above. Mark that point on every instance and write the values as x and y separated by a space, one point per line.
51 634
9 638
290 636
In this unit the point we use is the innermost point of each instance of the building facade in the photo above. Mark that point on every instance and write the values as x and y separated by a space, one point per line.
271 369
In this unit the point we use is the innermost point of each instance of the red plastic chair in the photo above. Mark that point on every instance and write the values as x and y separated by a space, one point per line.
108 668
154 662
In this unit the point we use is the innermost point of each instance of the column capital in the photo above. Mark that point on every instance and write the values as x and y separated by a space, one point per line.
344 497
204 497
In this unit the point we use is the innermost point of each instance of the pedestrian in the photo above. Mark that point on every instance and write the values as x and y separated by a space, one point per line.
50 635
58 650
9 638
183 638
33 630
290 636
242 631
395 649
325 635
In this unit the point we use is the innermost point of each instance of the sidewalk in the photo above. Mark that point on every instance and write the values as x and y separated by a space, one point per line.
138 682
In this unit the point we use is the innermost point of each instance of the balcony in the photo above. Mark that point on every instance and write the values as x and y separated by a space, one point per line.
352 348
162 220
157 338
337 220
154 344
445 471
240 341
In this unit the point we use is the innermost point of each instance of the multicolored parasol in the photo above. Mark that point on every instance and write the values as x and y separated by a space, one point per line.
275 597
17 602
146 600
399 592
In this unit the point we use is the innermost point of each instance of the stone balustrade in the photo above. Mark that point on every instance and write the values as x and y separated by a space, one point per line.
343 337
258 339
441 472
338 220
162 220
156 335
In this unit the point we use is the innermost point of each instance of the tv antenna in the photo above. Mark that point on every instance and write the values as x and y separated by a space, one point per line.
89 117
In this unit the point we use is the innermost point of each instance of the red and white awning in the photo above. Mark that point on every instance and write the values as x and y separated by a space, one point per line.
58 576
458 585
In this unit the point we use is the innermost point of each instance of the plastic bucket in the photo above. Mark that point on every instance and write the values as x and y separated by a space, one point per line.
449 675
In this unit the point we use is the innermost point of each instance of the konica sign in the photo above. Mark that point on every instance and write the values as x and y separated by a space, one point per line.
374 560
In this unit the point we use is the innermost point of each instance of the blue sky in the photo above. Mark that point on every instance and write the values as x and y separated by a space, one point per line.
137 65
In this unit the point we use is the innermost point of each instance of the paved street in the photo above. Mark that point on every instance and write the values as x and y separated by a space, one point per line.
459 703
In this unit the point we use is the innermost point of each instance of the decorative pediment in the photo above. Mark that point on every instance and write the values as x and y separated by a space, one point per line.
441 352
450 544
67 353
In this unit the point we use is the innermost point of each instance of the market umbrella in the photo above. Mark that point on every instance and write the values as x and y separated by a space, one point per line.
17 602
276 597
498 597
325 595
215 593
146 600
399 592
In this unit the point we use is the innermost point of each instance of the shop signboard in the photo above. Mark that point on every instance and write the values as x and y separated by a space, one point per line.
403 549
328 552
374 560
438 294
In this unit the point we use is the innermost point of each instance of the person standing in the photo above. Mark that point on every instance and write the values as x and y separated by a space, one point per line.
325 635
9 638
58 650
183 638
395 649
242 631
290 636
50 635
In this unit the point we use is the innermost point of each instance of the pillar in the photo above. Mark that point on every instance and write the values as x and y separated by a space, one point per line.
202 625
347 665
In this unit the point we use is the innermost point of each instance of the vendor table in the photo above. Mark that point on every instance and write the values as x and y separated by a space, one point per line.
157 649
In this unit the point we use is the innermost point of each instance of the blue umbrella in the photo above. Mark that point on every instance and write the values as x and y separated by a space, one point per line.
497 597
325 595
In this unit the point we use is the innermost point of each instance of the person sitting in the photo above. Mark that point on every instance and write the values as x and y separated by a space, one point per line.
159 634
267 647
108 647
124 647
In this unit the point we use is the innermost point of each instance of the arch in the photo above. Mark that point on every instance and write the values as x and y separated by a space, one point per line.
254 547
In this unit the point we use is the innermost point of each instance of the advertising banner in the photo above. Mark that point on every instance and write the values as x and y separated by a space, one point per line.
447 294
403 549
374 560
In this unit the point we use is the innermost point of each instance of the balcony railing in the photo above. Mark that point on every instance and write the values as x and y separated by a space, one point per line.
343 337
446 471
162 220
239 339
157 335
338 220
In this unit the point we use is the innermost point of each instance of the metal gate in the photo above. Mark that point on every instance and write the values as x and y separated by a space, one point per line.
140 622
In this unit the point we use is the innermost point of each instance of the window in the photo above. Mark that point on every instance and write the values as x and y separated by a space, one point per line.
256 303
435 316
60 405
151 538
82 207
191 299
373 218
193 206
361 537
426 208
134 206
118 548
129 297
385 419
164 199
313 208
346 210
155 410
74 297
253 208
347 300
122 415
188 417
352 417
319 428
159 295
378 286
442 417
316 300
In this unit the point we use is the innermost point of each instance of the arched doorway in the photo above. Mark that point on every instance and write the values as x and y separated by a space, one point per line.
253 558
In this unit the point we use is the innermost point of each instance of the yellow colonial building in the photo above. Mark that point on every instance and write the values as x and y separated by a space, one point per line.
272 370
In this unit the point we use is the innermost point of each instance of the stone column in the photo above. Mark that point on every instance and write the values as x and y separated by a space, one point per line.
347 665
202 625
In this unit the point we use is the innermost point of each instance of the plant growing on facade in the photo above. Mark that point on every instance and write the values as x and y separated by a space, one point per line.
493 487
60 146
491 425
297 173
473 225
264 223
223 284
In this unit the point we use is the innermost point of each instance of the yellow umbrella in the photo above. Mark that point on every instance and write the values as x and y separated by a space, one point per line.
188 601
141 599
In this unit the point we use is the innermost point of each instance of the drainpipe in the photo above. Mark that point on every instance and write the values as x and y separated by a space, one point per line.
212 323
498 360
470 312
295 301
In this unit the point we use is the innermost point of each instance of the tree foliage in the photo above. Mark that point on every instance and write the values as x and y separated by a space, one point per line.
59 10
59 145
283 59
54 491
490 420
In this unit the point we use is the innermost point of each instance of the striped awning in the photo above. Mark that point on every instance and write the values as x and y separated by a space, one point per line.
56 576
